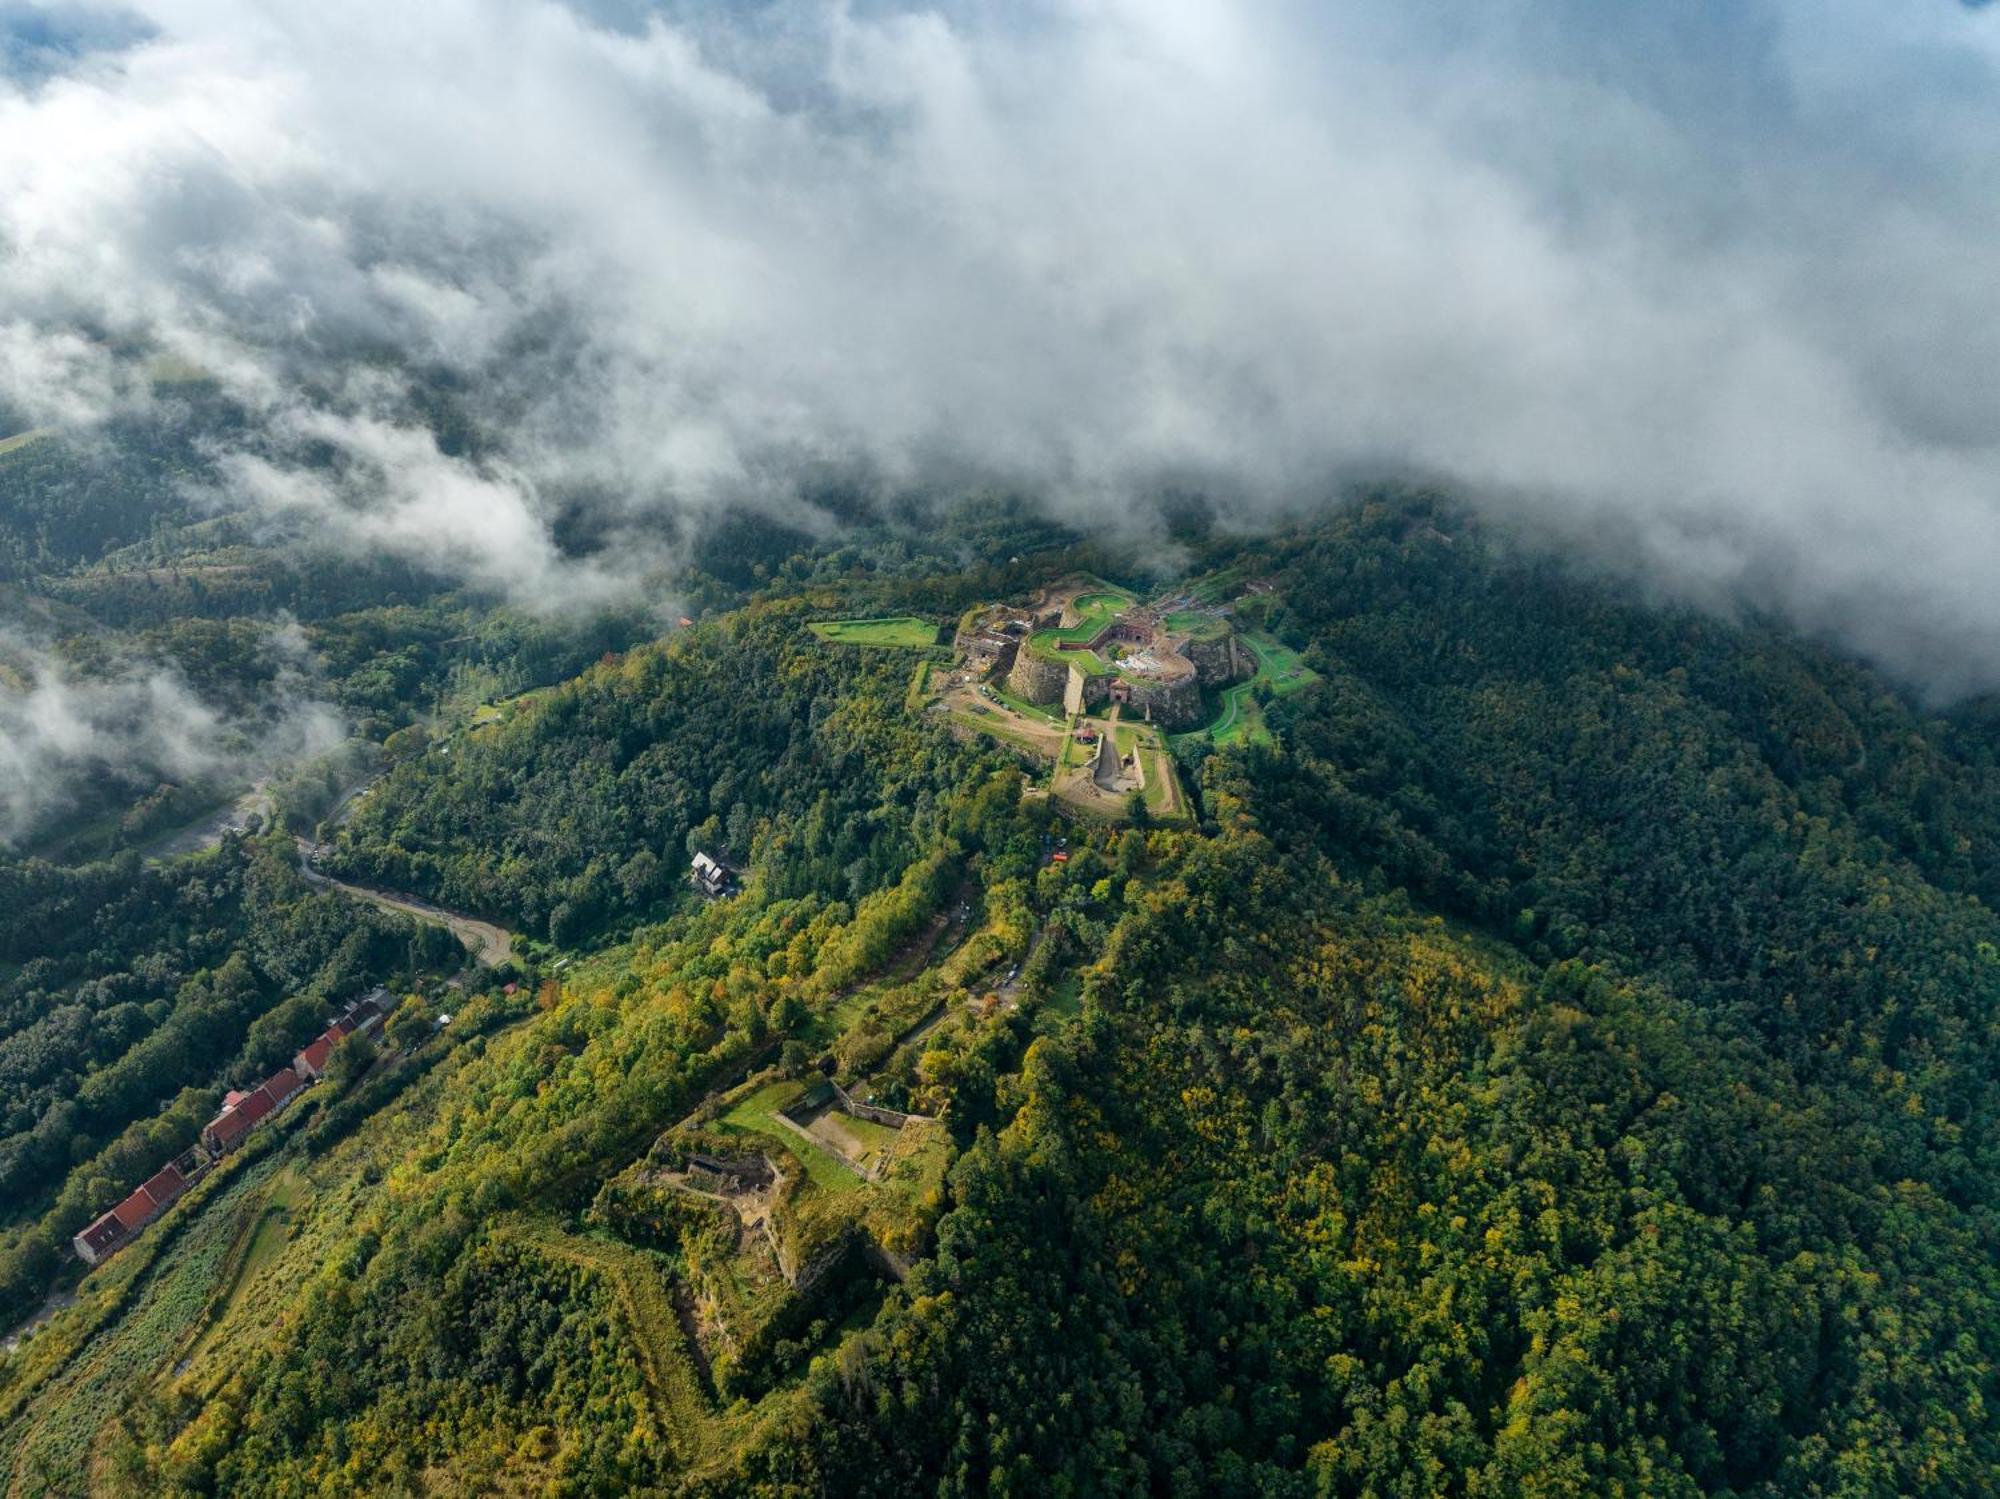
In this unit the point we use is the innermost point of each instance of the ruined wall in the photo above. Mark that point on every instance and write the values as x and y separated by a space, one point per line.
1036 679
893 1118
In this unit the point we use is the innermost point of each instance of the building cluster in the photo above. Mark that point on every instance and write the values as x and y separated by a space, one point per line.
1134 659
241 1113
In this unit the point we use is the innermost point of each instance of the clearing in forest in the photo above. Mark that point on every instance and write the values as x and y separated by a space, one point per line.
758 1113
903 631
22 439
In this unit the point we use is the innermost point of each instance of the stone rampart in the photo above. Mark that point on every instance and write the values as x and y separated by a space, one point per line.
1171 702
1037 679
1217 662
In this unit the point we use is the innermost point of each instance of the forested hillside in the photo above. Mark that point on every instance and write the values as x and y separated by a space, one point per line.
1561 1062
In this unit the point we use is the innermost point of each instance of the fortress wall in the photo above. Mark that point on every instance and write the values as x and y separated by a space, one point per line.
1172 702
1035 679
1090 691
1215 661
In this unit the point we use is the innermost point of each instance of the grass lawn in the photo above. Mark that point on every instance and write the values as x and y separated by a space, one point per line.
1196 625
1242 719
874 1141
22 439
758 1115
1217 586
1103 605
903 631
1066 998
996 726
500 710
1159 782
1279 665
1095 610
1031 710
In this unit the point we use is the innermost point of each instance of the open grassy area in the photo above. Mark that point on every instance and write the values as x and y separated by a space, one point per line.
995 726
866 1142
1196 624
22 439
499 711
1242 718
1032 710
1094 611
1103 604
1219 585
903 631
757 1114
1159 790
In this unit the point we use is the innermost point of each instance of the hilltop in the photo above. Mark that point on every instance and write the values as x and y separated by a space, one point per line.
1543 1048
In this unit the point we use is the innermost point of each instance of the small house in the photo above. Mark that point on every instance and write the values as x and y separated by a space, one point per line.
710 877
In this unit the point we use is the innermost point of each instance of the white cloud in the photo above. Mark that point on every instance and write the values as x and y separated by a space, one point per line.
139 723
1715 282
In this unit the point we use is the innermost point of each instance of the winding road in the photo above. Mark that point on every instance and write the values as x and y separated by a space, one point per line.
490 944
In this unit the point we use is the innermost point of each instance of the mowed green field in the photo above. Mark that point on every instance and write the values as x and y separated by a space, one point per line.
1095 610
1196 624
757 1114
902 631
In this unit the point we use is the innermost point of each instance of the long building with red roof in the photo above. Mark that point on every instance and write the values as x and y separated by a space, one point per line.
150 1199
241 1113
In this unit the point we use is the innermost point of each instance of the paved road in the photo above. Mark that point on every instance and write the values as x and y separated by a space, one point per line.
490 944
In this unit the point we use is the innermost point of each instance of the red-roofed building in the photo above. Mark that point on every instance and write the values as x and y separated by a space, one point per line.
312 1061
100 1239
364 1016
147 1202
226 1130
281 1087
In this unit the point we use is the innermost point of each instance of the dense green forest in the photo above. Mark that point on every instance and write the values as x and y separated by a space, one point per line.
1562 1062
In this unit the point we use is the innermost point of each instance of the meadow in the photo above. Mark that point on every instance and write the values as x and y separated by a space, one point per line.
902 632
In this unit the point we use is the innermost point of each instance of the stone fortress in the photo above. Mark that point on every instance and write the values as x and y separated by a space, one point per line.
1096 647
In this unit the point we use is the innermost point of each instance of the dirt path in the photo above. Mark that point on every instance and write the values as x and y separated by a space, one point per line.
57 1300
490 944
1010 991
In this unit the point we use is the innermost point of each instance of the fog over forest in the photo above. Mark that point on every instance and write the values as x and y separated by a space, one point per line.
1705 290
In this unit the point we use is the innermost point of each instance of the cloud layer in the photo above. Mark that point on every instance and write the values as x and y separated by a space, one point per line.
138 722
1706 285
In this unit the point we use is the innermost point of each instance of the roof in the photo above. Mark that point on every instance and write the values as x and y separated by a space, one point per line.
232 1125
313 1058
133 1212
164 1185
102 1234
281 1085
226 1129
705 865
